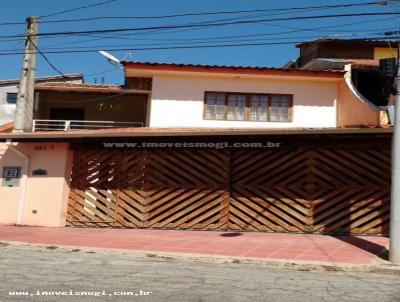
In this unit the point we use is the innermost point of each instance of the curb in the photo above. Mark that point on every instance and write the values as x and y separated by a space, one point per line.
381 268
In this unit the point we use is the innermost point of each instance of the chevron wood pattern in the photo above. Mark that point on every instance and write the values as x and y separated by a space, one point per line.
318 190
311 190
160 189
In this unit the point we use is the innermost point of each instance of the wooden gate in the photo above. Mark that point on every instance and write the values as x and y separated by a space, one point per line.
321 190
185 189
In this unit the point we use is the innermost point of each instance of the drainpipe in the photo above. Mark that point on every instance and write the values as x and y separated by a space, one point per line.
24 181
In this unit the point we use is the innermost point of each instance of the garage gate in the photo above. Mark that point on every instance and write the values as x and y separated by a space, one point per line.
322 189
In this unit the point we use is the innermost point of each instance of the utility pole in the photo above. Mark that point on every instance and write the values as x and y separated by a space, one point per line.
25 98
394 250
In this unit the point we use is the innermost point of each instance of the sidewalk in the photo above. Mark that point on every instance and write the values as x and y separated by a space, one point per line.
361 250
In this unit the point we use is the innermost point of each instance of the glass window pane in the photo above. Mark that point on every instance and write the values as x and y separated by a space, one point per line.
11 98
215 108
263 110
236 107
259 108
280 108
220 110
210 112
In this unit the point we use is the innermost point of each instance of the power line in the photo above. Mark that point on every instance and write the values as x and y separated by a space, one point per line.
203 25
200 42
47 59
345 33
383 3
124 35
76 9
191 46
220 12
100 72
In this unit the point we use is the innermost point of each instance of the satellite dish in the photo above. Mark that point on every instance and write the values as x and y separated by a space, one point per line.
113 60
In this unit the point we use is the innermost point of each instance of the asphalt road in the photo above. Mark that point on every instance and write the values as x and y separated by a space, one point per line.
67 272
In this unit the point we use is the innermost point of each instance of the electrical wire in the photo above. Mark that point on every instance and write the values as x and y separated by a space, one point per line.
218 13
63 33
207 41
76 9
296 9
192 46
47 59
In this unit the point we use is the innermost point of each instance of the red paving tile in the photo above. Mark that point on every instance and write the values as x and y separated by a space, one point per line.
270 246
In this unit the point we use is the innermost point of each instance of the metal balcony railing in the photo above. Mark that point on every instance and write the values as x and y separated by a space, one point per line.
66 125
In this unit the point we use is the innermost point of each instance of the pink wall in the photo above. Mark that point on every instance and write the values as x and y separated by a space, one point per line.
46 196
352 111
8 196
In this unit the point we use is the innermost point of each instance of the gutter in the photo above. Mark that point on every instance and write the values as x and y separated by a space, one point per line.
24 181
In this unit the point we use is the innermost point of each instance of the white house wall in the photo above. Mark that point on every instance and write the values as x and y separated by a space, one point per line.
7 111
178 101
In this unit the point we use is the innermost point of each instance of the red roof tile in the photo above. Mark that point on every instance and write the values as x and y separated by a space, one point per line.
68 76
6 128
78 85
229 68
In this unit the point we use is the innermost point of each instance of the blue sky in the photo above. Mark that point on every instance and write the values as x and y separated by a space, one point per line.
266 55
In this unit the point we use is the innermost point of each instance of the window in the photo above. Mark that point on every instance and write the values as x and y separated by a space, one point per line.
215 109
280 105
11 98
259 108
236 107
248 107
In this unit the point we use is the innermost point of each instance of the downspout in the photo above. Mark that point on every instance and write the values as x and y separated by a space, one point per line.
24 181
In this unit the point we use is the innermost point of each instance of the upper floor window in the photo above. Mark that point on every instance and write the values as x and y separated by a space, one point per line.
248 107
11 98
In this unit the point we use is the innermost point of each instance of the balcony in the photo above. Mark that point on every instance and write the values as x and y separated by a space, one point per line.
71 107
67 125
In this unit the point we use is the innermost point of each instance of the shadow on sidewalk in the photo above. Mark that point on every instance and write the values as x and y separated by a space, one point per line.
368 246
231 234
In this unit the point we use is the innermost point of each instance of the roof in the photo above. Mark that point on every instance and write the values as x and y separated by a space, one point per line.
184 132
371 42
46 78
231 69
6 128
81 87
338 64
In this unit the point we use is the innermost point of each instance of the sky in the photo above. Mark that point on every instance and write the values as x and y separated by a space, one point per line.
96 68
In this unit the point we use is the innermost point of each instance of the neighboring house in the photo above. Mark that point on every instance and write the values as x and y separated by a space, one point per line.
360 58
9 91
202 147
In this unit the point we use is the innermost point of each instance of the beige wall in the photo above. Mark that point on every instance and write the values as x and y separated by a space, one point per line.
46 196
352 111
178 100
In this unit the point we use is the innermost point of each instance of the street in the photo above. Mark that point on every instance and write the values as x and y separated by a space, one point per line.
40 273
